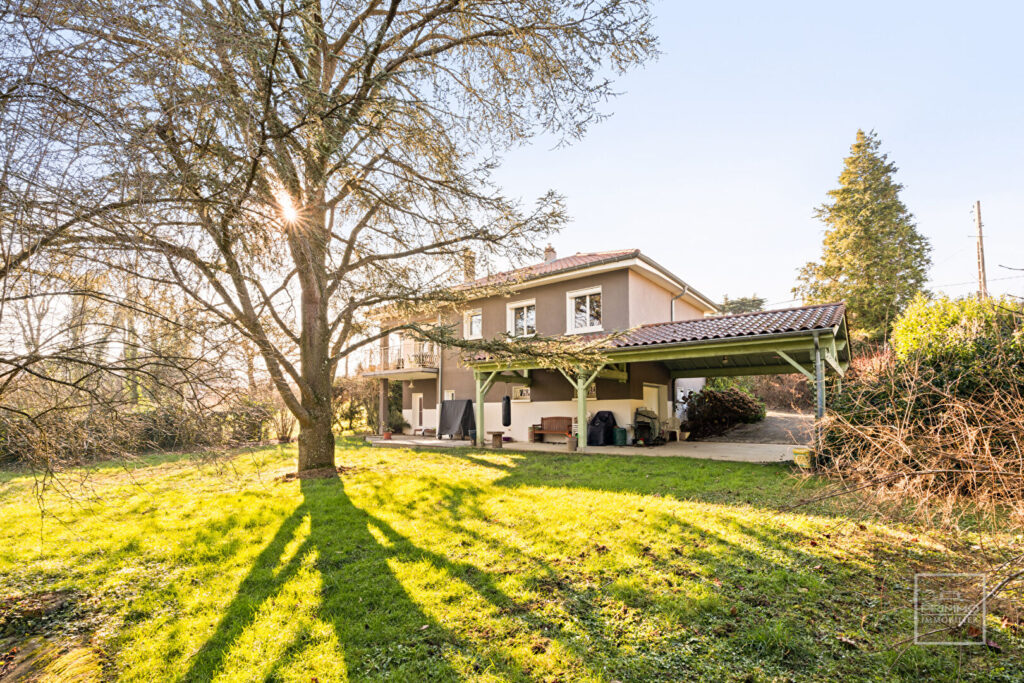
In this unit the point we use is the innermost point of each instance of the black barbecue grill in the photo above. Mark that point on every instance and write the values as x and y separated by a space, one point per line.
645 428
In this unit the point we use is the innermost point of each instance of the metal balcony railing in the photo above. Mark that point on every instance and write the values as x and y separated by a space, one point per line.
419 356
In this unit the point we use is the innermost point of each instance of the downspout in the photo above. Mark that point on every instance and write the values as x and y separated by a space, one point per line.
440 389
672 303
672 318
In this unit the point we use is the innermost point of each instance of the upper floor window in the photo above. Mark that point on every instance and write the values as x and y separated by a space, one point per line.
584 311
473 324
522 318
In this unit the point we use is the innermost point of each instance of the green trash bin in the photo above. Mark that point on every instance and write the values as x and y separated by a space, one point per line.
620 436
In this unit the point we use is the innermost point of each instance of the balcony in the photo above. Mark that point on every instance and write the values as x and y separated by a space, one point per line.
418 361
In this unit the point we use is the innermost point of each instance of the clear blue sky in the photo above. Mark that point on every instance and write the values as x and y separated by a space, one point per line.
716 155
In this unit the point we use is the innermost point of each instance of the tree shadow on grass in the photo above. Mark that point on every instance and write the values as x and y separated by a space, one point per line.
717 575
381 631
628 613
710 481
379 628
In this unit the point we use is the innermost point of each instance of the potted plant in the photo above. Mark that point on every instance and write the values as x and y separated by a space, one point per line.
396 423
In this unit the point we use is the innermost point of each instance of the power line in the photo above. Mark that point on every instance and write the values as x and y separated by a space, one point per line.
945 284
974 282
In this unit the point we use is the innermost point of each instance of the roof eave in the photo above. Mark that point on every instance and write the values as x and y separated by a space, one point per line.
537 280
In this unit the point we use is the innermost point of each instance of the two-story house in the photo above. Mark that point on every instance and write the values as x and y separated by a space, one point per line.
578 294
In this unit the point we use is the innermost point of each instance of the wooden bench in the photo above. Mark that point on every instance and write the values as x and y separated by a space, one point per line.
496 439
560 426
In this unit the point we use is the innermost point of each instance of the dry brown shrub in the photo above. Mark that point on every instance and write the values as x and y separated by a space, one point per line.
941 446
789 393
916 443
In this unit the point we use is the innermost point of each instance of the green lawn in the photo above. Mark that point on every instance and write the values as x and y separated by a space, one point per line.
471 565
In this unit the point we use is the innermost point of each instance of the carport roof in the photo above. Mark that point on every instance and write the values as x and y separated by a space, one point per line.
756 324
759 343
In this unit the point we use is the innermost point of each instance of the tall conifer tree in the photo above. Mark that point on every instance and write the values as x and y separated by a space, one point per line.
873 257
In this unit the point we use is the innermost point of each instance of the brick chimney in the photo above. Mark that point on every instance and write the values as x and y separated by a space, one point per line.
549 254
468 264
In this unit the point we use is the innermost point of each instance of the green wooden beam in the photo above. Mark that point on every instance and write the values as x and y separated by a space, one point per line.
515 379
487 366
709 350
737 371
831 360
616 372
786 357
591 377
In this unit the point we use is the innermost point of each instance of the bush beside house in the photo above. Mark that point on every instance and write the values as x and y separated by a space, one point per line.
711 412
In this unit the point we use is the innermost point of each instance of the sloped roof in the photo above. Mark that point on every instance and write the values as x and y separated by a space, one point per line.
759 323
581 262
560 265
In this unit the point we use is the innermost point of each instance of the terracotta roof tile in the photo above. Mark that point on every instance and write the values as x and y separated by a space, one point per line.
801 318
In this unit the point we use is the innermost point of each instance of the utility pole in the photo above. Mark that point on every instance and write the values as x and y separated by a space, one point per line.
982 278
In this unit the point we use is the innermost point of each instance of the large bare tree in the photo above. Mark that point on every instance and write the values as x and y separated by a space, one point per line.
291 166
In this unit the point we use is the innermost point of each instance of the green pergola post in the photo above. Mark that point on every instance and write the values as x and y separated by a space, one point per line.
482 387
581 411
819 383
582 384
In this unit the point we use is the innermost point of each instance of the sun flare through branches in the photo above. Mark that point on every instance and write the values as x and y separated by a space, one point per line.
286 206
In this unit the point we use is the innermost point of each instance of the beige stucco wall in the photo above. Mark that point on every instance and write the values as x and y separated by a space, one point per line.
551 304
649 303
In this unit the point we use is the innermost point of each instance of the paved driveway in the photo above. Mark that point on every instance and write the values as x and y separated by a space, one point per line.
776 427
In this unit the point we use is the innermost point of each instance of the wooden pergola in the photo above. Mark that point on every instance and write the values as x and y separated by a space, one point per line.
810 340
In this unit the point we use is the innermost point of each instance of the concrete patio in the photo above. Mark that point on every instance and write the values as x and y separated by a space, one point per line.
733 452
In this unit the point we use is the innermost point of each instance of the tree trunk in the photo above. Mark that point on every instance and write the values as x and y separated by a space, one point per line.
316 442
316 438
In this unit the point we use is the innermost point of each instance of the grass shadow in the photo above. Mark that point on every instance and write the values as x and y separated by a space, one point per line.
378 627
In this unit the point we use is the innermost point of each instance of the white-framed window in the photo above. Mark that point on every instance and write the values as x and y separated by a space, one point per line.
520 393
449 394
473 324
583 311
522 318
